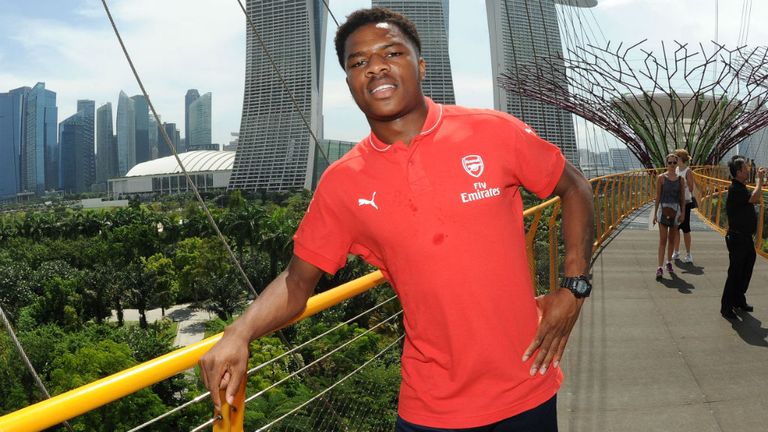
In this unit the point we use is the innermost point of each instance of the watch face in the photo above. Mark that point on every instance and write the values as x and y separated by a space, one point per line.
581 287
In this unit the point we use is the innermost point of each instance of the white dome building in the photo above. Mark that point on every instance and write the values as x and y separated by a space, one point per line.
208 169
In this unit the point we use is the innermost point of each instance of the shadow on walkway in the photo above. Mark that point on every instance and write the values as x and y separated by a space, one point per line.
750 329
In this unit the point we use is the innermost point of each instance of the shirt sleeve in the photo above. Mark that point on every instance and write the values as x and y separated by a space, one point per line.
537 164
323 239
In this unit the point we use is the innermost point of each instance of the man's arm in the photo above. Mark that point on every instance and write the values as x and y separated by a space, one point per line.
224 366
758 192
560 308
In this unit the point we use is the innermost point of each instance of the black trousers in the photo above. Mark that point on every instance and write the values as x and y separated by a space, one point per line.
543 418
741 253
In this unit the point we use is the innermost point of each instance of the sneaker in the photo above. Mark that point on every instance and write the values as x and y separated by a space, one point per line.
670 269
659 273
675 255
688 259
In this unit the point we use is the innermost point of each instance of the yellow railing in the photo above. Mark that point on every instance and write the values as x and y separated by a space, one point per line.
712 189
615 197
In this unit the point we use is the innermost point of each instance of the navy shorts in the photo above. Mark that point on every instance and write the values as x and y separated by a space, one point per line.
543 418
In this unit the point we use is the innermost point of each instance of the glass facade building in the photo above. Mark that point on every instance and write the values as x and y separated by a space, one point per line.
191 96
199 135
431 20
106 145
126 134
39 152
520 32
11 127
141 117
276 151
76 143
334 150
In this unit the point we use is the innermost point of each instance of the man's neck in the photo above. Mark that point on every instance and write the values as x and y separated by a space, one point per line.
402 129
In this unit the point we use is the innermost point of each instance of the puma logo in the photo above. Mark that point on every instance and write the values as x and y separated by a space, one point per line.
362 201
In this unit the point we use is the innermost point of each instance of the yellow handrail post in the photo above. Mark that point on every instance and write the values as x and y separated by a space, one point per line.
232 416
553 270
598 215
719 206
530 236
760 220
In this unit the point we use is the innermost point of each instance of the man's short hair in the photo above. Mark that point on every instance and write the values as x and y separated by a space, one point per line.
735 164
375 15
683 154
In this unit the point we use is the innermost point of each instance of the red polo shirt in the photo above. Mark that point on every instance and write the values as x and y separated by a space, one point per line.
442 218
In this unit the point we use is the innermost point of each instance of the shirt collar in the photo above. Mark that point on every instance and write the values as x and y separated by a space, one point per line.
431 124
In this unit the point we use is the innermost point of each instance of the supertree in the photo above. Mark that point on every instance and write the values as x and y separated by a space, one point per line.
681 100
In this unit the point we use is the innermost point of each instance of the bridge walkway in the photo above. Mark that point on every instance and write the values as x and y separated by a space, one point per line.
650 355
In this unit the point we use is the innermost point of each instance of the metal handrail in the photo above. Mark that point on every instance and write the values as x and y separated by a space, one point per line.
712 184
615 196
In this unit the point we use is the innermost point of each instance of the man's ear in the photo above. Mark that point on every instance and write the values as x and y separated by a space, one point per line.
422 69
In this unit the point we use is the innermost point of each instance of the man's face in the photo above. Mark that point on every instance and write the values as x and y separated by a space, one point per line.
384 71
742 175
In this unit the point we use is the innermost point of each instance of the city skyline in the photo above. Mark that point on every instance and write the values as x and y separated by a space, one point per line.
59 40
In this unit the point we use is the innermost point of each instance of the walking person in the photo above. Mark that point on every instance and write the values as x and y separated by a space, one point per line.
690 203
431 197
668 212
742 224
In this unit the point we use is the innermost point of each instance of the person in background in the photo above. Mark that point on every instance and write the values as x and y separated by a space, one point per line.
668 211
742 224
690 203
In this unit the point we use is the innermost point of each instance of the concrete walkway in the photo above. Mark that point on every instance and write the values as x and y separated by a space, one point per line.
191 326
657 356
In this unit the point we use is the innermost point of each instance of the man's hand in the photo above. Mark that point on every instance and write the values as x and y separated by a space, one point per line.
654 220
560 310
224 366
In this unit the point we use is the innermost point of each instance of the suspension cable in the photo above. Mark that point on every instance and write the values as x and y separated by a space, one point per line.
305 367
387 348
203 396
170 145
26 361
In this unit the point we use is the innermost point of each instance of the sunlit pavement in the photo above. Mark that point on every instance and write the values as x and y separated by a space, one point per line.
191 322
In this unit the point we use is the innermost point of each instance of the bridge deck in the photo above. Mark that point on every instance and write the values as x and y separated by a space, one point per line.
657 356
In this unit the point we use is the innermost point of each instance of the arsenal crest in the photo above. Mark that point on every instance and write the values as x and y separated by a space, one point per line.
473 165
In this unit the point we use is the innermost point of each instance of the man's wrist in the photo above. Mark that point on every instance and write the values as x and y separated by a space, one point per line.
578 285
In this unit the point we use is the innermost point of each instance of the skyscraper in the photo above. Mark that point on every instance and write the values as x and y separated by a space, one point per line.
522 31
154 139
39 153
141 116
106 146
275 152
431 19
191 96
173 134
11 135
199 118
77 158
126 134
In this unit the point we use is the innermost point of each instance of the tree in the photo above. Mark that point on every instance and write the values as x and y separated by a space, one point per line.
160 277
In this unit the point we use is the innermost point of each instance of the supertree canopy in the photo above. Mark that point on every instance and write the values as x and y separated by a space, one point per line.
705 101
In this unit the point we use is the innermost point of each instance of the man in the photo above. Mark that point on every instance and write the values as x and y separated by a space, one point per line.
742 224
432 198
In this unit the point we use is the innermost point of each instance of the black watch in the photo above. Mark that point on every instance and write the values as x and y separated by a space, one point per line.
579 286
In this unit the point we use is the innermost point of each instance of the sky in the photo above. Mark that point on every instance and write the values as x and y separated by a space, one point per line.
181 44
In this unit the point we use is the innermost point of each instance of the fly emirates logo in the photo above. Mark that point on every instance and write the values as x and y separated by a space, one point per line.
474 166
482 191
